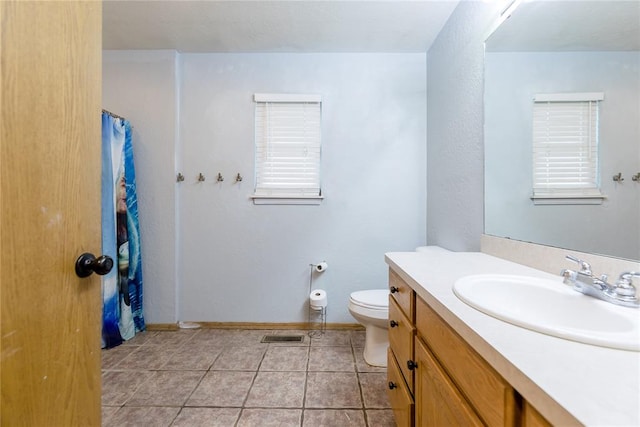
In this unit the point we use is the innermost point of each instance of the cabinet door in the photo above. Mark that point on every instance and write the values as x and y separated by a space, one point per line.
491 396
399 397
438 402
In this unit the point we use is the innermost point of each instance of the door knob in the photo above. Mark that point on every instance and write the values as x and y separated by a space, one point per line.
87 263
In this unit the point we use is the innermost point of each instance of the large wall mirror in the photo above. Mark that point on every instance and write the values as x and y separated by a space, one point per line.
565 47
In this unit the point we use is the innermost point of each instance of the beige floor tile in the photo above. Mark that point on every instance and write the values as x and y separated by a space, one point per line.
207 417
119 386
358 338
218 337
331 359
332 390
193 357
333 417
270 418
249 338
222 388
171 339
332 338
380 418
240 358
113 356
279 358
166 388
107 412
140 338
277 390
226 377
149 416
374 389
147 357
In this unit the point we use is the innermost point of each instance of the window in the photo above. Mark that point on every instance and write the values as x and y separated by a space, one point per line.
565 149
287 149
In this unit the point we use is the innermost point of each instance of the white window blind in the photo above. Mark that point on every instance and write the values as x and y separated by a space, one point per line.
287 145
565 145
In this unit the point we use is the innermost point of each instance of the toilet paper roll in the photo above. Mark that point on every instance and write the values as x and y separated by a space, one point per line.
318 299
321 267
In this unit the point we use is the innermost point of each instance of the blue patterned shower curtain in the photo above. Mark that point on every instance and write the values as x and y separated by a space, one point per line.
122 314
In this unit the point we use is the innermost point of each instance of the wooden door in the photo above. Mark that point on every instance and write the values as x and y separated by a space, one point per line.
49 212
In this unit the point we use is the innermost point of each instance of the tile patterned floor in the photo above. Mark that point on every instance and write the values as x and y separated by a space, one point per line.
228 378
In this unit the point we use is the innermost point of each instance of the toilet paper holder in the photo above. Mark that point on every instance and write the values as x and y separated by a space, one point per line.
317 301
320 267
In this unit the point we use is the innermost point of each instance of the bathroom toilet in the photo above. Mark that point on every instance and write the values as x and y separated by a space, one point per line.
371 309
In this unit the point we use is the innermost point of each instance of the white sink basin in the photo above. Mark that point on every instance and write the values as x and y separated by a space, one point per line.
552 308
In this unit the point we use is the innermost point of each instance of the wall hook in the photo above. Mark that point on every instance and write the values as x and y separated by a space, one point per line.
219 178
180 177
239 177
618 177
201 177
636 177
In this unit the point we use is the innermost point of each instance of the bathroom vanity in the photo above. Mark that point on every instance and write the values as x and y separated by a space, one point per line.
449 364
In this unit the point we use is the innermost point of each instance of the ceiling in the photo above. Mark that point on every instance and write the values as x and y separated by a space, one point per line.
573 25
274 25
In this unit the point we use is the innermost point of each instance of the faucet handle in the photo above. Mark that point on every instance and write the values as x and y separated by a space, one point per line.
624 285
585 267
569 276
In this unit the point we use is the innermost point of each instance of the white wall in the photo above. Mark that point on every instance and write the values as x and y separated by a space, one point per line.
140 86
455 121
512 79
237 262
246 263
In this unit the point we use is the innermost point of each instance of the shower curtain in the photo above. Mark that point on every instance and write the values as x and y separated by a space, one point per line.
122 315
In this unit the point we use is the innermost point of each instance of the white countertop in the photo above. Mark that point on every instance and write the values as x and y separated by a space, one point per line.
566 381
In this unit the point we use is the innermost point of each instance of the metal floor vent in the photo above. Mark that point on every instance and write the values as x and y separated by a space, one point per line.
282 338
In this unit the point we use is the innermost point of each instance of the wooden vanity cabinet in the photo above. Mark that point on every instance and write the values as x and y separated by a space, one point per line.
437 379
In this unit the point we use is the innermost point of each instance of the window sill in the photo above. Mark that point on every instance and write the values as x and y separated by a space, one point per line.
568 200
286 200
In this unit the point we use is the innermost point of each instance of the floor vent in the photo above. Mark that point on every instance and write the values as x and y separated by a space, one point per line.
283 338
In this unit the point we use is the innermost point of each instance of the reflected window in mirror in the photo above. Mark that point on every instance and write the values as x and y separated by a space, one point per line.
565 166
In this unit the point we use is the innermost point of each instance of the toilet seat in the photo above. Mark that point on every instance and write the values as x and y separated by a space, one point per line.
375 299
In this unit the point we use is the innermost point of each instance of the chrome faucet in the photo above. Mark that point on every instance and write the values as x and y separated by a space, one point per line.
623 292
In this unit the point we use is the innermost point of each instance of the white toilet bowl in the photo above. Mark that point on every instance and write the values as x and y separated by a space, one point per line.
371 309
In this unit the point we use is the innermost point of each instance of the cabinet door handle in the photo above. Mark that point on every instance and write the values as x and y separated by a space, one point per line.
392 385
393 289
411 365
393 323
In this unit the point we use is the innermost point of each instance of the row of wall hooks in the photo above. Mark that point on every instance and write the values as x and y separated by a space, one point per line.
618 177
202 178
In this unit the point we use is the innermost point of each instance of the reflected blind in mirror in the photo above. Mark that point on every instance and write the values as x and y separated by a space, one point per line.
565 145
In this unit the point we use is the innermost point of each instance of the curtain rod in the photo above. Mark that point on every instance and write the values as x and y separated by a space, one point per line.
112 114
